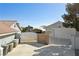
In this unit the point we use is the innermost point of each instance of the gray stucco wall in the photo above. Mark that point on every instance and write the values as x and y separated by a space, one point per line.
6 39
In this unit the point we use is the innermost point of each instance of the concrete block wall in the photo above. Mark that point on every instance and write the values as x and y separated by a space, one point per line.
62 36
28 37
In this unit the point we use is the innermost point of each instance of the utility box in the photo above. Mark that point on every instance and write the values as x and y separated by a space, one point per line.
15 43
10 46
5 49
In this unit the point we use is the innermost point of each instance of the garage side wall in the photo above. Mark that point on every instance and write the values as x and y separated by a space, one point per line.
62 36
77 40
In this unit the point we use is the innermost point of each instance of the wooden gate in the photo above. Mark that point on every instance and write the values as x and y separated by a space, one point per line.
43 38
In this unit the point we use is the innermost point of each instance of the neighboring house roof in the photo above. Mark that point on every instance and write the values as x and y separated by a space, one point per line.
54 25
5 27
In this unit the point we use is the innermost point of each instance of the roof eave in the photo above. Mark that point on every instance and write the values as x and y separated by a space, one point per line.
7 34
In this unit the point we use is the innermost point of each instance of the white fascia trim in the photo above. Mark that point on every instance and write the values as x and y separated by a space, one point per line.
7 34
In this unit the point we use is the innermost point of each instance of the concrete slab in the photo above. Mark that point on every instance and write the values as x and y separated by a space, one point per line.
43 50
22 50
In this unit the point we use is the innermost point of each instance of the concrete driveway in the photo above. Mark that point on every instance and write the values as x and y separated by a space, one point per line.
30 47
38 49
54 50
25 49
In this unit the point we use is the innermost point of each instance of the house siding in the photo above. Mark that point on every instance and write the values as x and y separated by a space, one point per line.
7 39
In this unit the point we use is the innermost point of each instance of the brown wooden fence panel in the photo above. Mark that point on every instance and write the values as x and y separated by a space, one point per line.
43 38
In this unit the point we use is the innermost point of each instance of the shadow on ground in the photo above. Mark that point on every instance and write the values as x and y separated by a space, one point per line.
54 51
35 44
77 52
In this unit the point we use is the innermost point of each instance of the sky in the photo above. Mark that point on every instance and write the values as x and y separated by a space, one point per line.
32 14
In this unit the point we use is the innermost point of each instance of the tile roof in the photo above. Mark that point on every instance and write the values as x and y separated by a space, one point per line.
5 27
